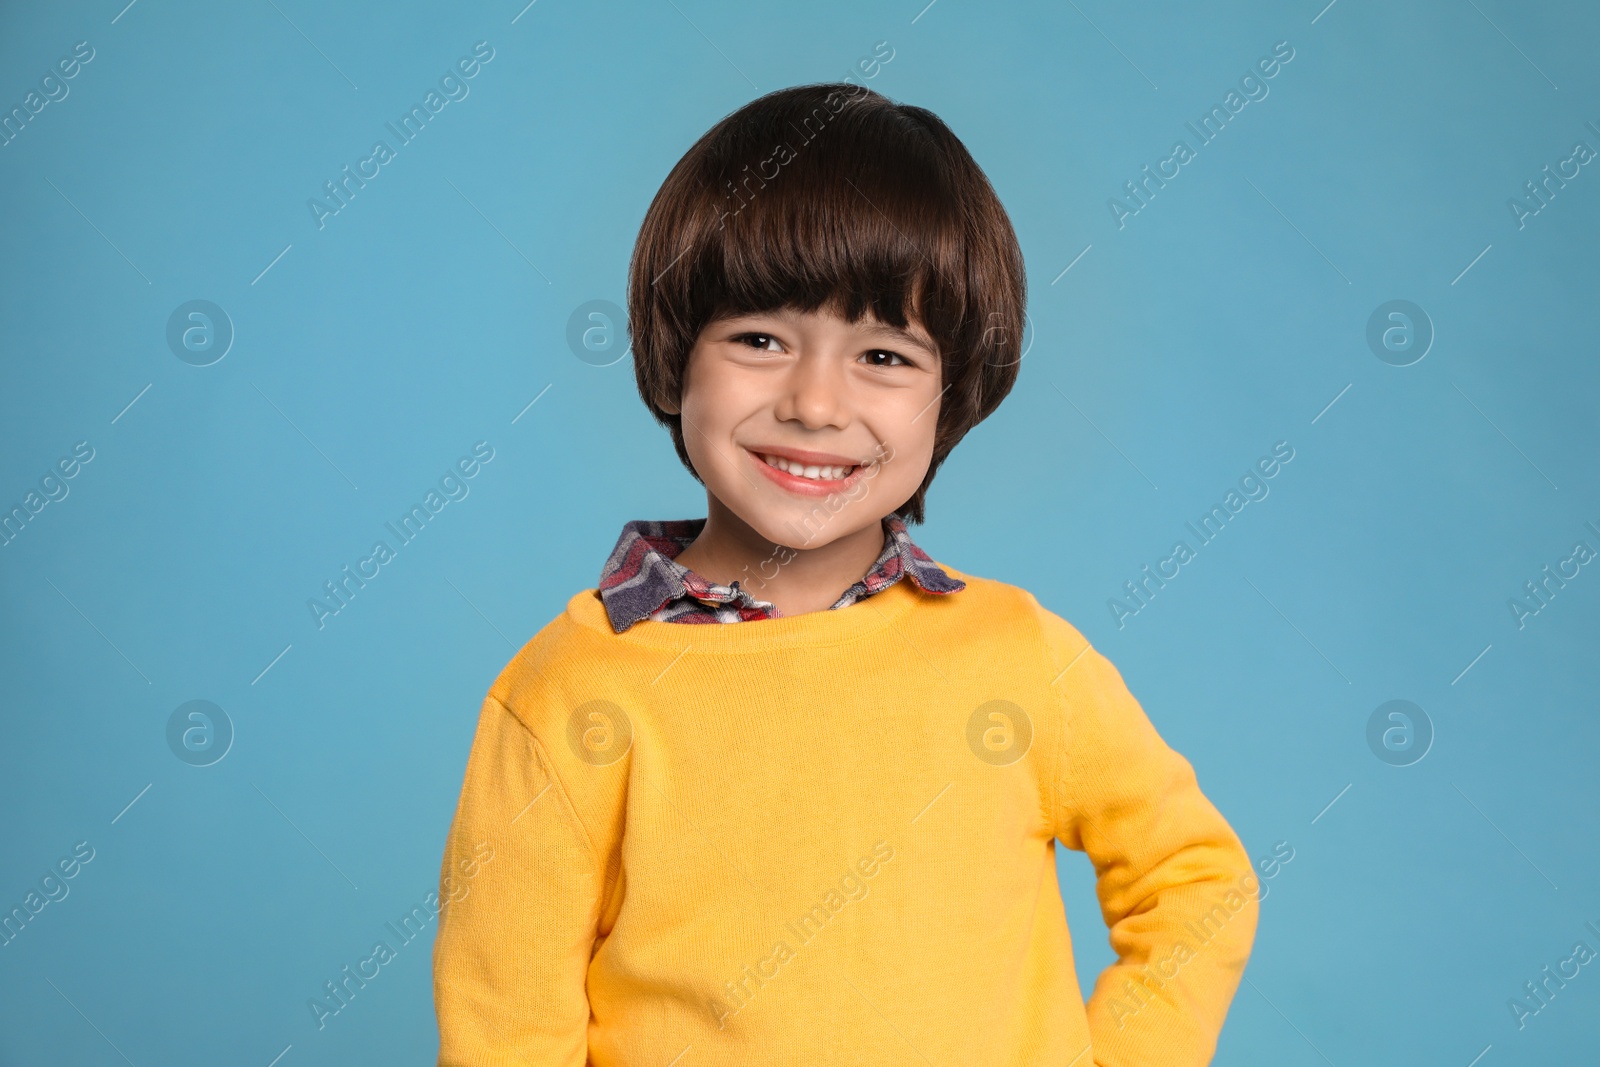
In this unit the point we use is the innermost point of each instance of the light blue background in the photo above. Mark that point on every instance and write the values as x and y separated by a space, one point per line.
425 316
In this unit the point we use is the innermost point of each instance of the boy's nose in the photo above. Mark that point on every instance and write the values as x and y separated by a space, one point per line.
815 392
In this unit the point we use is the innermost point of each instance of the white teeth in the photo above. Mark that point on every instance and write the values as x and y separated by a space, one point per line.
815 473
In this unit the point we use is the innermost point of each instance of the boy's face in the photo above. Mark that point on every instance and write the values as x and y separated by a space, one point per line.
791 382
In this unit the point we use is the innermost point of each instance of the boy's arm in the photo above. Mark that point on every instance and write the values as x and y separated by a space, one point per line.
520 894
1176 888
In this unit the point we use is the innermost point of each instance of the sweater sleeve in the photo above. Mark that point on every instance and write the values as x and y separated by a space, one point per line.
1176 889
520 896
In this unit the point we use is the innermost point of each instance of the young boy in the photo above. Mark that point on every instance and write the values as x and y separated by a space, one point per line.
822 830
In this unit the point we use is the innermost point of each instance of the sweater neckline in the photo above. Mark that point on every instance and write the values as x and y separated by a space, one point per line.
814 628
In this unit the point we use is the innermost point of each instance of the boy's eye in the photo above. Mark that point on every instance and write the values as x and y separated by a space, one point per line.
885 352
756 340
768 343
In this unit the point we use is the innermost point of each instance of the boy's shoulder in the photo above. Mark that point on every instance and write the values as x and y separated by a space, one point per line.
572 632
1079 672
1011 602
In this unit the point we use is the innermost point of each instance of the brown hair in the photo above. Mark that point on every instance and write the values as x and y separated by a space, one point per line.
832 195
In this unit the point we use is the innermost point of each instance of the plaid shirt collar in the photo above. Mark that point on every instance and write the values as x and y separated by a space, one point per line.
642 579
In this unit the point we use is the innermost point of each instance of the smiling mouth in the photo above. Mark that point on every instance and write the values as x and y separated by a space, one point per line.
814 473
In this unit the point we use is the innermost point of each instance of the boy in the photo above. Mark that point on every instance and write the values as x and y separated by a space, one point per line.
821 829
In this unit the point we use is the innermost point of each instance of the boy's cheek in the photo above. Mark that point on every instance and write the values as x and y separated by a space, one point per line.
885 453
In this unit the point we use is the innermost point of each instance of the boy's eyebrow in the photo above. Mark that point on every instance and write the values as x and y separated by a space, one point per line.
894 332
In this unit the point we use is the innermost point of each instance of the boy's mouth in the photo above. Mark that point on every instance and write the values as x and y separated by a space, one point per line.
813 472
808 479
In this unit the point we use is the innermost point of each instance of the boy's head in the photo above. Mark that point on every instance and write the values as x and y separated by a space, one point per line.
825 271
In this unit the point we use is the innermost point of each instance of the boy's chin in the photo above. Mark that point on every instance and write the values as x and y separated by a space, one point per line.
805 529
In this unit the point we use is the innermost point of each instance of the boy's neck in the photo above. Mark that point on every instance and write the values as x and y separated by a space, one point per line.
795 580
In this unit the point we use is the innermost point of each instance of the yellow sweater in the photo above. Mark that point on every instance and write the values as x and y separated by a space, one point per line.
829 838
